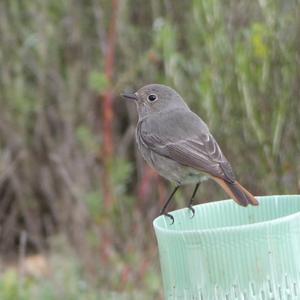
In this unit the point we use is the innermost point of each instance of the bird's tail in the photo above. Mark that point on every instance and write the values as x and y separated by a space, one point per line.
237 192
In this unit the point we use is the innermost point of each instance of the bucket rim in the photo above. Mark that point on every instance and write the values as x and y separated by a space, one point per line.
231 228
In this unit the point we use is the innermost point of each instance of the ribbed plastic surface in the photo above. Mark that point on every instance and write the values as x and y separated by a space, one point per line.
230 252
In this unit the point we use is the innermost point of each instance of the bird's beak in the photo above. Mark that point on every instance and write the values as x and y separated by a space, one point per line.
130 96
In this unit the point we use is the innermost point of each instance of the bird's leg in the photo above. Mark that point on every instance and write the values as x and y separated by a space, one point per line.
163 210
190 206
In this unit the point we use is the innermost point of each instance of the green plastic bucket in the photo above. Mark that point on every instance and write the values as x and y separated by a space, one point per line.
229 252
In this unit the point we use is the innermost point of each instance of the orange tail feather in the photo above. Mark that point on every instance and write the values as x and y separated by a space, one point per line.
237 192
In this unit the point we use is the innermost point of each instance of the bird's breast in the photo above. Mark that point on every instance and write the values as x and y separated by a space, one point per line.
166 167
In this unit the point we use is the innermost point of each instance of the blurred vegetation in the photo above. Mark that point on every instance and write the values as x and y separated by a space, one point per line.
68 160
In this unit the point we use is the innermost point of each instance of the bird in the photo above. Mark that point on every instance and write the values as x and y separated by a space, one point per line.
178 144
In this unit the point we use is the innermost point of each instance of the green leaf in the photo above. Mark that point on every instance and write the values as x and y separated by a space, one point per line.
93 200
98 81
86 138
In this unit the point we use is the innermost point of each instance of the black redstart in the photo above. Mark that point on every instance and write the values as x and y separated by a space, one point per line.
178 144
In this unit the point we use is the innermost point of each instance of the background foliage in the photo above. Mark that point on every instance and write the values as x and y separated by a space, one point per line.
74 192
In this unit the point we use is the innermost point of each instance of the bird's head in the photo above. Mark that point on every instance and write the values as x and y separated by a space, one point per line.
155 98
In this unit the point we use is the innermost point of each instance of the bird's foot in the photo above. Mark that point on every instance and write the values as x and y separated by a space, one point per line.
169 216
192 210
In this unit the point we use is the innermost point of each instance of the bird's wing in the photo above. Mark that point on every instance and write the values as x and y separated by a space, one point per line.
185 138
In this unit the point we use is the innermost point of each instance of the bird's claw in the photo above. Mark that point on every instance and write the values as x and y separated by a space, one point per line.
192 209
171 217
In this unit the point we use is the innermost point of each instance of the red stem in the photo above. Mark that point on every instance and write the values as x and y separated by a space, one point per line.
107 101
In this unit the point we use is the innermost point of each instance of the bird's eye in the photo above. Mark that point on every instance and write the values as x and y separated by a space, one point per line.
152 97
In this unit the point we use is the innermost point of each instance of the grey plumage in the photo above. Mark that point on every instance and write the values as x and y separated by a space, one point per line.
180 135
178 144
